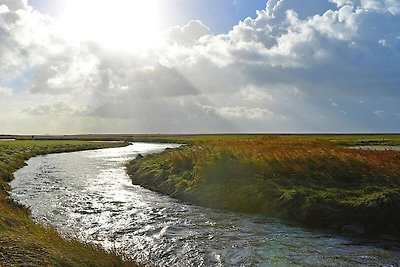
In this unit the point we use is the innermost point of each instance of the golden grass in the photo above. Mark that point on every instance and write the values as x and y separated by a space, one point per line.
311 181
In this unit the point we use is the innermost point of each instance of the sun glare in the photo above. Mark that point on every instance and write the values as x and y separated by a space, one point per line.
113 23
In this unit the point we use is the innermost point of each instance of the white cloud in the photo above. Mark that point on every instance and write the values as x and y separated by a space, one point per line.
275 70
188 34
5 91
392 6
243 112
333 103
255 94
15 5
54 109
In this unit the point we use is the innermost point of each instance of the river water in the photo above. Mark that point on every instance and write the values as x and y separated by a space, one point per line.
88 195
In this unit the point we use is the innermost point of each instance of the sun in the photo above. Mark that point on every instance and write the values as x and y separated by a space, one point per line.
125 24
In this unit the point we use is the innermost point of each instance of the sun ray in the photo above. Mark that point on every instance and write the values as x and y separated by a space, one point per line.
129 24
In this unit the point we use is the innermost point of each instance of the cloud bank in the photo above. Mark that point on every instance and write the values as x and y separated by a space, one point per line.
297 66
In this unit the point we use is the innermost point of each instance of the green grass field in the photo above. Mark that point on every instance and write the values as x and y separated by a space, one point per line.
341 139
24 242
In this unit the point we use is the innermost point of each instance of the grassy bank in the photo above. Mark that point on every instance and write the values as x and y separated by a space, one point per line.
309 180
24 242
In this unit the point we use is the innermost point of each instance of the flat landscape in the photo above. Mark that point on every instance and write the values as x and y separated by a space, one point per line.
328 182
200 133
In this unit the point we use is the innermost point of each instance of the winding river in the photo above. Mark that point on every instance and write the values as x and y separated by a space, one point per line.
88 195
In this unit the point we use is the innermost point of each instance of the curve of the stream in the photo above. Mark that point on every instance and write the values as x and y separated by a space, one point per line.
88 195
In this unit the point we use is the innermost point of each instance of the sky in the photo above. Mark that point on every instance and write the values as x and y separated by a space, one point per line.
218 15
178 66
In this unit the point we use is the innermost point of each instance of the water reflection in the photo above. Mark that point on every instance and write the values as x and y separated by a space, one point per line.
89 196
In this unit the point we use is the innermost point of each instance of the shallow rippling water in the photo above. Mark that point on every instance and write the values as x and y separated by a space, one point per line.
89 196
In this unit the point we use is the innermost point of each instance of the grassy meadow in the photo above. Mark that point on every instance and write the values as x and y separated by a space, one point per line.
340 139
24 242
315 180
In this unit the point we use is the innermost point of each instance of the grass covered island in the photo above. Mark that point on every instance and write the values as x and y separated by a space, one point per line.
307 179
26 243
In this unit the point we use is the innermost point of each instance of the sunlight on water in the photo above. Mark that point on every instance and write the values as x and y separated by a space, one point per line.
88 195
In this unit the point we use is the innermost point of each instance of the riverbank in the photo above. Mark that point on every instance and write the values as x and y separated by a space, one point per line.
22 241
313 182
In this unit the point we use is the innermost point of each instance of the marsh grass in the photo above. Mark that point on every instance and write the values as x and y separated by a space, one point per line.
314 182
24 242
